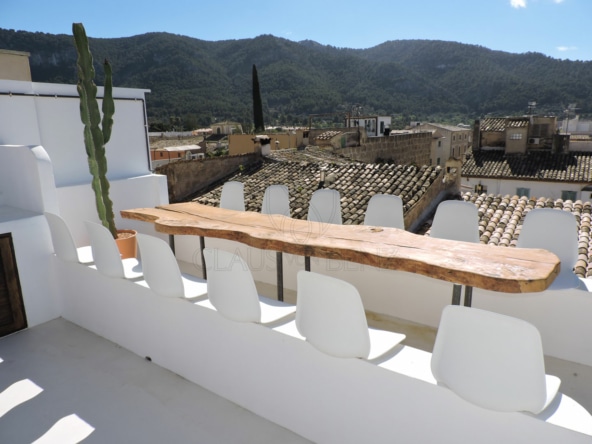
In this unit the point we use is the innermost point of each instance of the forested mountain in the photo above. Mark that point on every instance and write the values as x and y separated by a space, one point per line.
195 82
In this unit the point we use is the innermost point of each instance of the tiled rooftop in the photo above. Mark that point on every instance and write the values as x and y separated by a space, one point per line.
501 217
564 167
327 135
500 124
310 154
356 182
452 128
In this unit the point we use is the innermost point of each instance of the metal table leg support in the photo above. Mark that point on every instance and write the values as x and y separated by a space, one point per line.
307 263
172 242
468 295
202 245
456 292
279 265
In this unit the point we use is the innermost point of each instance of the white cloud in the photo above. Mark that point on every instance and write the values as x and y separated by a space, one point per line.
518 3
567 48
558 1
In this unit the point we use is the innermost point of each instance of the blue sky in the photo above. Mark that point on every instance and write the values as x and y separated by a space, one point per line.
557 28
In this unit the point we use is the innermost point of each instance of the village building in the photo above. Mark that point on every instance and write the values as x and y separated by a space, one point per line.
448 141
526 156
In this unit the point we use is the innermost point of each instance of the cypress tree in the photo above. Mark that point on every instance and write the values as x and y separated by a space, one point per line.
257 105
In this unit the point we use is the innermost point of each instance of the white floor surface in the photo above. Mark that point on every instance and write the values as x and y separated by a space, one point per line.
59 373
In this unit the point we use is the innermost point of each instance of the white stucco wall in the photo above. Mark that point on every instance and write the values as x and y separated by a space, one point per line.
43 167
551 190
48 115
285 379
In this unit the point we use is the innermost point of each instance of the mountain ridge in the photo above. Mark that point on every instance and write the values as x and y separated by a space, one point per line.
195 82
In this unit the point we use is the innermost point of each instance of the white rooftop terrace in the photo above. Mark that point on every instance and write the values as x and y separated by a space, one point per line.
57 369
276 376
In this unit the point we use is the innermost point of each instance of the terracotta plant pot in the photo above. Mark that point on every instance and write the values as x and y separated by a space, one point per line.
127 243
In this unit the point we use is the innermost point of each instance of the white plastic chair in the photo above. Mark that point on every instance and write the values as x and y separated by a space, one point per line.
63 242
385 210
492 360
233 197
330 315
325 206
106 254
457 220
232 291
556 231
276 200
162 273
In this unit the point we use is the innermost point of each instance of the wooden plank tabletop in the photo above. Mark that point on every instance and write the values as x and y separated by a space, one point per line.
510 270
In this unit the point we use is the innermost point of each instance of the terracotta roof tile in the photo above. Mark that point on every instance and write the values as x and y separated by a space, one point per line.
493 124
501 217
356 182
310 154
563 167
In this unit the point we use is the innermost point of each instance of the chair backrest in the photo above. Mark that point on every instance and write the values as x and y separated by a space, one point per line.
491 360
456 220
330 315
233 196
557 232
160 267
325 206
385 210
63 242
104 249
231 287
276 200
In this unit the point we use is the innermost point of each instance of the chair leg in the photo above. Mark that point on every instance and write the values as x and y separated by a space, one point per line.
307 263
279 264
456 292
202 245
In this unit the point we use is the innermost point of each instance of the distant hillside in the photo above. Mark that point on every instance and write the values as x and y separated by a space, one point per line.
195 82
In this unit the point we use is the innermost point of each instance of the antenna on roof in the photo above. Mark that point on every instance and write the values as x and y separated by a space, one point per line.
531 107
571 108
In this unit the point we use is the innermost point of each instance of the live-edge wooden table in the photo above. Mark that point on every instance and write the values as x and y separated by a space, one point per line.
509 270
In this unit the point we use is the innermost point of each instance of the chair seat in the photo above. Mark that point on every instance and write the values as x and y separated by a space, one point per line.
273 311
85 255
132 268
195 287
205 303
383 341
552 384
565 412
289 329
107 257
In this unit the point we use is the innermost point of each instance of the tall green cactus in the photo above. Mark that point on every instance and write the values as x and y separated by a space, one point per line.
96 132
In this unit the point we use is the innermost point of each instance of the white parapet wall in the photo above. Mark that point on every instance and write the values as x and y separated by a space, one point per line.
283 378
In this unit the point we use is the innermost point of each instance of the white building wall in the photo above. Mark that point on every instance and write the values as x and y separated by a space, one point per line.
43 167
552 190
48 115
